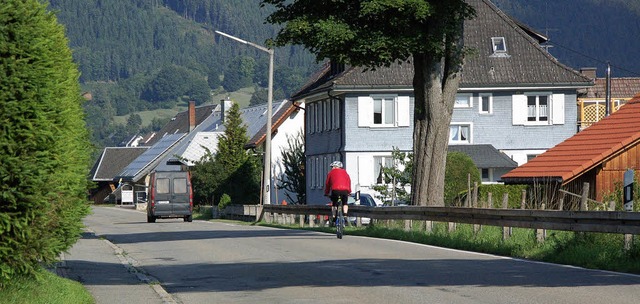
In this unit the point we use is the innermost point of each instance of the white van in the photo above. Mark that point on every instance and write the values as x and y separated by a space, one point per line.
170 196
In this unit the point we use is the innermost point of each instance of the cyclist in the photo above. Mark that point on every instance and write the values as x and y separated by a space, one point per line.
338 184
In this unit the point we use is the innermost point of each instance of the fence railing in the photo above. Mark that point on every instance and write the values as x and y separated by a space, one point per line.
577 221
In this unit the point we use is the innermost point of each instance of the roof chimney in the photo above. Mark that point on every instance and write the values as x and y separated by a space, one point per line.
225 105
588 72
192 115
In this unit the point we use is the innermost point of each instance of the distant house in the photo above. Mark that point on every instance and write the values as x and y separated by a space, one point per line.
592 101
490 162
111 161
185 139
598 155
514 96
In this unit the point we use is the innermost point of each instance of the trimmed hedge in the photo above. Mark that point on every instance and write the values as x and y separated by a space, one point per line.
44 146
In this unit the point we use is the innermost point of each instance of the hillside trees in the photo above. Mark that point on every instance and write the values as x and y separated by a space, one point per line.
44 148
426 34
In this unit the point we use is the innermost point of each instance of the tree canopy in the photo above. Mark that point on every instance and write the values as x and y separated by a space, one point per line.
374 33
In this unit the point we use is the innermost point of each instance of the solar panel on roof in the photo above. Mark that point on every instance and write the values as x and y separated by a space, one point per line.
150 155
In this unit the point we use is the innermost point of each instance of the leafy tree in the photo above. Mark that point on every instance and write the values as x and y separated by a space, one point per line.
206 176
239 73
169 84
44 147
460 168
199 91
426 33
294 161
396 177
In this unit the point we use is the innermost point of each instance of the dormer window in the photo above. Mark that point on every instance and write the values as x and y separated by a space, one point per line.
499 47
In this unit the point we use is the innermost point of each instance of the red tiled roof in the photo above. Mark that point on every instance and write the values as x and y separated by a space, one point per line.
626 87
586 149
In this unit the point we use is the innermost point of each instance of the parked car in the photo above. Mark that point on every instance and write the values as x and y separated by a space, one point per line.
365 200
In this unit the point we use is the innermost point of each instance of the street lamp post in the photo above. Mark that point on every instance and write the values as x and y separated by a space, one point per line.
266 187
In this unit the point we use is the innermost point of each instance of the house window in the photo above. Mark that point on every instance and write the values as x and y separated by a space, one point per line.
486 104
499 45
327 115
486 174
463 101
383 111
460 134
380 162
538 108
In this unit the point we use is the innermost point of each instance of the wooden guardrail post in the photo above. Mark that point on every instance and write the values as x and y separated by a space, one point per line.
476 227
489 200
523 201
541 234
561 200
506 231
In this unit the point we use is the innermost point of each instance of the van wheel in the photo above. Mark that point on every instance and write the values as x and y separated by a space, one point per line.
151 219
188 218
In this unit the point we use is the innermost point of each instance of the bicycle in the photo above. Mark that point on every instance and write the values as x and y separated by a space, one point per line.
339 219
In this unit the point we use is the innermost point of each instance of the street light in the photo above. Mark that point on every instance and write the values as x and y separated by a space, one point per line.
266 195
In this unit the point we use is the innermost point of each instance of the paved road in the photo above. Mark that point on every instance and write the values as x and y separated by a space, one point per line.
206 262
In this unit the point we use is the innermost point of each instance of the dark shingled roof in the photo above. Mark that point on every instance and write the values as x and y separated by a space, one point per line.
527 63
113 160
485 156
180 123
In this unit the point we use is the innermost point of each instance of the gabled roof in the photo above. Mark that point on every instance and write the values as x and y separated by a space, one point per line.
180 123
526 64
143 164
485 156
585 150
286 109
113 160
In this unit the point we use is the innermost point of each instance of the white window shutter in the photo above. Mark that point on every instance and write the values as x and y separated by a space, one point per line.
365 111
557 108
365 170
404 114
519 109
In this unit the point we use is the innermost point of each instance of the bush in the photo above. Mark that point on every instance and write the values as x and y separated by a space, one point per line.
225 200
459 167
44 147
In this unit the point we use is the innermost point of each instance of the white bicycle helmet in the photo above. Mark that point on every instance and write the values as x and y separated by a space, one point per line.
336 164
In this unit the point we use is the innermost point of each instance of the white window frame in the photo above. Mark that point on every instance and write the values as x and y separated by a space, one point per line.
537 110
466 96
489 174
387 162
499 45
401 116
481 110
460 128
387 104
555 109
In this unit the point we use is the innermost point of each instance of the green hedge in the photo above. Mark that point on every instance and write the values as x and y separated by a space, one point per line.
44 147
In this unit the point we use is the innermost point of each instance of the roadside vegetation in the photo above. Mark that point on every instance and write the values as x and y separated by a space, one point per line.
45 288
589 250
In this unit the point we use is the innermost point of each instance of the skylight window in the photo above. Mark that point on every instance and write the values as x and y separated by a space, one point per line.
499 45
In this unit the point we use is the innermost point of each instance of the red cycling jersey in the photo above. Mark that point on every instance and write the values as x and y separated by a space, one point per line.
337 179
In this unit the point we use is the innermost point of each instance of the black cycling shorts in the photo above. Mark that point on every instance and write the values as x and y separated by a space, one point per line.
339 193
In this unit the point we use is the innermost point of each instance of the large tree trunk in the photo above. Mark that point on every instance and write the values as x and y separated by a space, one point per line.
435 85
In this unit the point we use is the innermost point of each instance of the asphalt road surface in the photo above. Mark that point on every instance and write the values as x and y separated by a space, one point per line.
217 262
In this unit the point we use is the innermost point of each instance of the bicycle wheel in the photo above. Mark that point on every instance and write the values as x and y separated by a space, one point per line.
339 222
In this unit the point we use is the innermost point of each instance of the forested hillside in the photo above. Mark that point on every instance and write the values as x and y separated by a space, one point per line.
585 33
137 55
